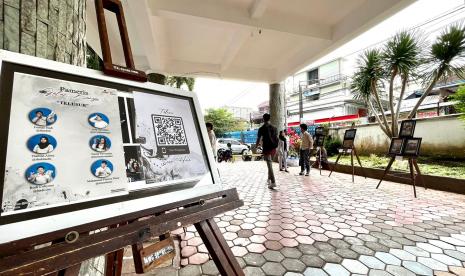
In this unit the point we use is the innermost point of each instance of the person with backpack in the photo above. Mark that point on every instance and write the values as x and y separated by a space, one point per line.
268 135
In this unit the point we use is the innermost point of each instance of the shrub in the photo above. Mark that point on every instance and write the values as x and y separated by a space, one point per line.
332 145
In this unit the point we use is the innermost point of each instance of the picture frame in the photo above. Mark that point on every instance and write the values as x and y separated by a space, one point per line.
396 147
407 128
412 146
350 134
320 131
130 71
82 212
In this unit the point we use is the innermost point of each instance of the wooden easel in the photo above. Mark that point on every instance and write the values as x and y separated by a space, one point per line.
413 166
352 153
65 258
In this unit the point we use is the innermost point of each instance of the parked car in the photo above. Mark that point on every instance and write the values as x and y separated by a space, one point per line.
236 146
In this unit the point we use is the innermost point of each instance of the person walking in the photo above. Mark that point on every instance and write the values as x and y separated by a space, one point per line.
212 138
283 147
268 135
305 146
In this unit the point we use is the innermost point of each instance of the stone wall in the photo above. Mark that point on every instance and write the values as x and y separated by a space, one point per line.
443 136
52 29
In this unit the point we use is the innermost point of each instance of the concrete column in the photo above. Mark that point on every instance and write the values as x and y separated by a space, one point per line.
49 29
277 106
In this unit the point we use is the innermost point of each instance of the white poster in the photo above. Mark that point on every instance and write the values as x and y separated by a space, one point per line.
170 148
64 144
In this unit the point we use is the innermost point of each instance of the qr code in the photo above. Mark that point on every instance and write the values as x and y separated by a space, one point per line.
169 131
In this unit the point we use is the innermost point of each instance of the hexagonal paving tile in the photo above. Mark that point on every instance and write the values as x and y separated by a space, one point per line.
273 269
336 270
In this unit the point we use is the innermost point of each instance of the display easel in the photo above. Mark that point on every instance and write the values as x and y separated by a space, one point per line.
70 247
405 146
353 152
413 169
349 145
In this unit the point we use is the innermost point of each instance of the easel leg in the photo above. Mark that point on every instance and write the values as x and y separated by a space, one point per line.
415 164
352 164
114 263
360 163
319 162
218 248
412 176
386 170
332 167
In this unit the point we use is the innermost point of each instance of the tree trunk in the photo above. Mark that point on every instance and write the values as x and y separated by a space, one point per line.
399 103
378 101
425 94
391 100
54 30
370 106
277 106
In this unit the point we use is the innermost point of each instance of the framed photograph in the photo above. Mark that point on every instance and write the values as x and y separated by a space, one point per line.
412 146
407 128
320 131
348 144
350 134
319 141
396 146
118 165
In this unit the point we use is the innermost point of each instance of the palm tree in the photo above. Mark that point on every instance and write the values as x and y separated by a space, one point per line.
401 58
366 85
177 82
446 58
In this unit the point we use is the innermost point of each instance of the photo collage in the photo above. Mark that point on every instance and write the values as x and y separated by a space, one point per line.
406 144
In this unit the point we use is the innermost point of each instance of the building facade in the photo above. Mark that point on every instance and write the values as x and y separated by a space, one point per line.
242 113
322 94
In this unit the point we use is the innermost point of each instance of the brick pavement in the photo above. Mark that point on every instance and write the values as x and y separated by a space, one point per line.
330 226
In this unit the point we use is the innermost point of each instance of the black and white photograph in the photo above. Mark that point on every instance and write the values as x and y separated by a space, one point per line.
396 146
133 163
320 131
412 146
407 128
319 141
348 144
170 148
350 134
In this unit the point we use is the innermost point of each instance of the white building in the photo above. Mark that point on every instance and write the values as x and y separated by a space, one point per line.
325 95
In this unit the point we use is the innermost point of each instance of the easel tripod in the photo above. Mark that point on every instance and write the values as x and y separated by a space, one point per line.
413 166
352 153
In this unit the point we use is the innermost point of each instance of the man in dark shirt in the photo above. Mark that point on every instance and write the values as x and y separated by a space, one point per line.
268 135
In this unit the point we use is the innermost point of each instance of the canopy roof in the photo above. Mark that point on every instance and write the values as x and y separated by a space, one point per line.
258 40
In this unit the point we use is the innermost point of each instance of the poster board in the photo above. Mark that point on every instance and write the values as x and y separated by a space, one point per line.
91 137
349 137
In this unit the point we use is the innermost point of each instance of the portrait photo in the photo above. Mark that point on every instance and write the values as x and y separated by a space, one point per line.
350 134
407 128
41 143
412 146
132 158
100 143
396 146
40 173
98 120
42 117
102 168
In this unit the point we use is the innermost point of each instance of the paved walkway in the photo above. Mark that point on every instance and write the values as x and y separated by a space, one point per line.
330 226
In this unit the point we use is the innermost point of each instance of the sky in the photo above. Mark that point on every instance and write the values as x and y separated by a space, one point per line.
216 92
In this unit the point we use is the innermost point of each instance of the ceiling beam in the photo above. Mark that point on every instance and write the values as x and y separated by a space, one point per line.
218 12
235 44
257 8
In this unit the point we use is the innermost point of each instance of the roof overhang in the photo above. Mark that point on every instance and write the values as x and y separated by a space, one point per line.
258 40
